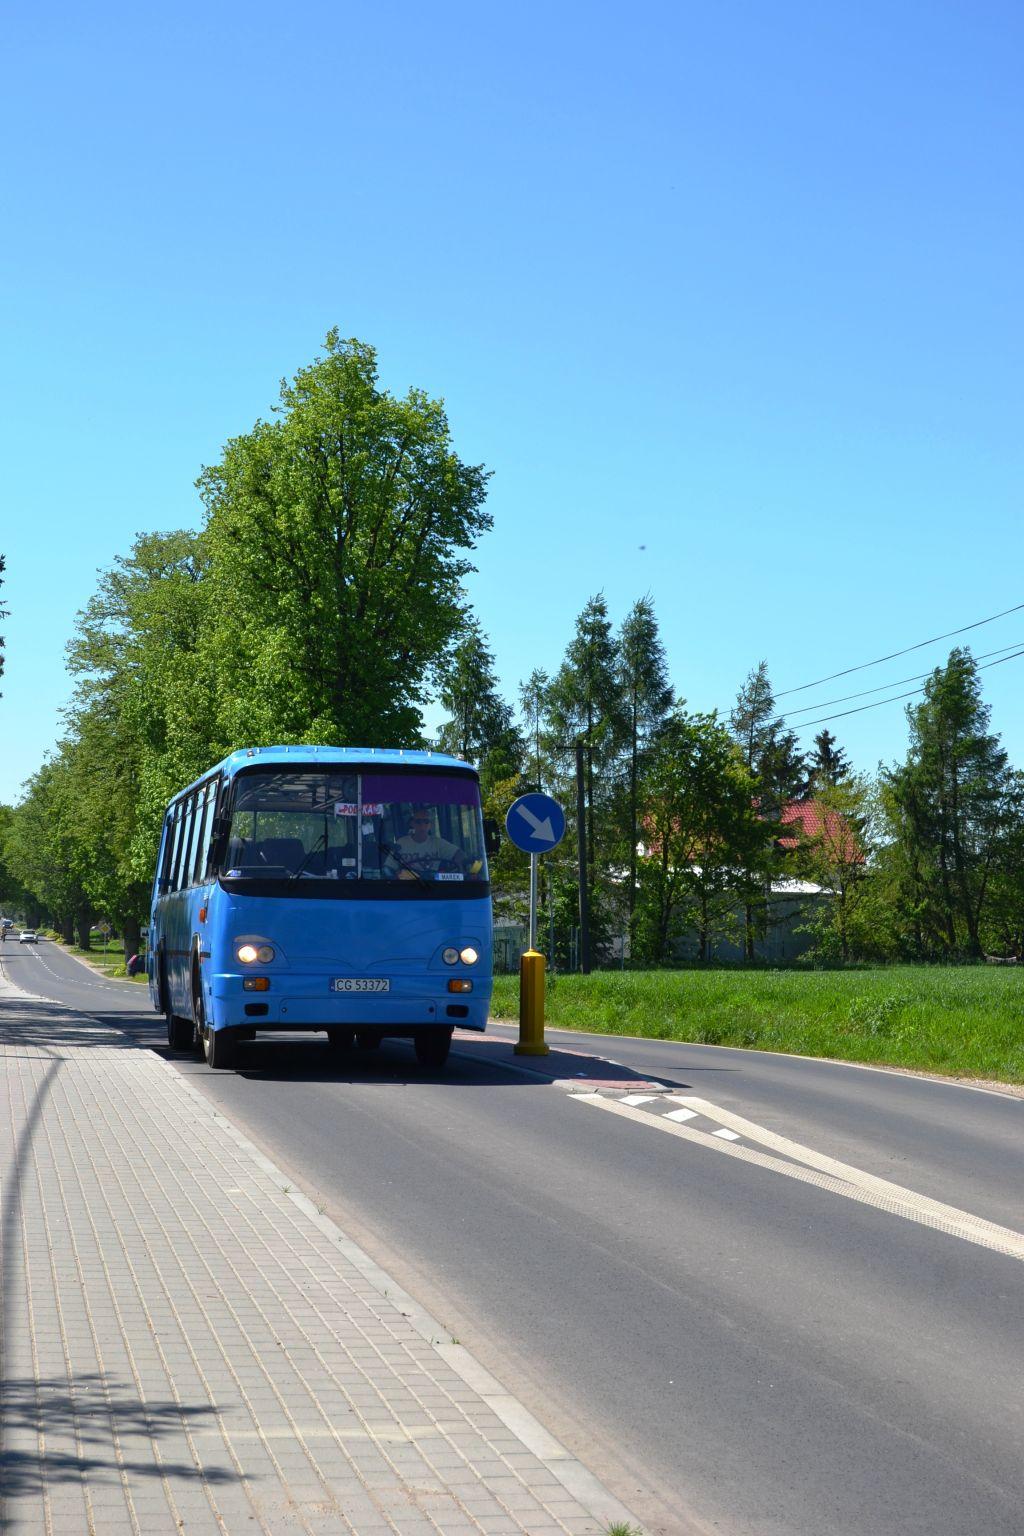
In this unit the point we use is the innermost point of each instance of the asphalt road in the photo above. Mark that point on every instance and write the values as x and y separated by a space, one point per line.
737 1336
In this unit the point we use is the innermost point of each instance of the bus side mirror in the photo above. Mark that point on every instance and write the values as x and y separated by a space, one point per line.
492 836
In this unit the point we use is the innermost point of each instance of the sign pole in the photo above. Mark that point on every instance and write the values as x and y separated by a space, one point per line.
535 824
532 966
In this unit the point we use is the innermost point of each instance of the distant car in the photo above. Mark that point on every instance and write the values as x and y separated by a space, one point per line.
28 937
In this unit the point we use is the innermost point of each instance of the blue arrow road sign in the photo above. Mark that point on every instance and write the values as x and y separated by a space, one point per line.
535 823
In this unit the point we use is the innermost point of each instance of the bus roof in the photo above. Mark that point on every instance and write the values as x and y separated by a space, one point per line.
354 757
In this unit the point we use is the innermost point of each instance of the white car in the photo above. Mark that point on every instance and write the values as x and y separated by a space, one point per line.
28 937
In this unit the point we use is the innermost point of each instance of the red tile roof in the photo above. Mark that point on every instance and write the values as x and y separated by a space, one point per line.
817 823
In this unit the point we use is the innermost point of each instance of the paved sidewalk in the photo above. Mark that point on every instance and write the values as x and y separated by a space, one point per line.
189 1346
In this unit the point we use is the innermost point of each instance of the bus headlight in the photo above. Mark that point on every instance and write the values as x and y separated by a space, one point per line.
469 955
450 956
250 953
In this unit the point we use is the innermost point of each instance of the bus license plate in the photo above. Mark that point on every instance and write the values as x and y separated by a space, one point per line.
360 984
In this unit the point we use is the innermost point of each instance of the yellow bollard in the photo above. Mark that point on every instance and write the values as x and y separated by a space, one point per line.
531 1005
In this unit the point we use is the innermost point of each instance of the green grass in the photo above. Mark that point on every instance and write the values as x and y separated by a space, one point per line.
107 956
966 1021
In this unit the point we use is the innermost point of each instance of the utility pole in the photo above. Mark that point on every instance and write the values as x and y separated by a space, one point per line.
581 843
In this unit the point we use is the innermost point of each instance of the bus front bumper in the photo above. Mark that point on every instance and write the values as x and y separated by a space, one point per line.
301 1003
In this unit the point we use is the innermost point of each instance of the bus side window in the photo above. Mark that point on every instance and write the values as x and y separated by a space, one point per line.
206 833
197 835
172 862
187 819
164 859
195 808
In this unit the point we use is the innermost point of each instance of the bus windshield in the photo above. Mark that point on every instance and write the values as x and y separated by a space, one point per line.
315 824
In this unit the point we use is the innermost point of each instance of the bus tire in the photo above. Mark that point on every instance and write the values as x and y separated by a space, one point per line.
340 1041
219 1048
432 1046
179 1032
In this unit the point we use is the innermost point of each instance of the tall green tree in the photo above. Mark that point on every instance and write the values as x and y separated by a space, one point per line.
143 713
828 764
46 853
533 704
835 856
770 749
702 832
585 705
481 726
646 698
772 756
12 893
952 803
337 536
1002 922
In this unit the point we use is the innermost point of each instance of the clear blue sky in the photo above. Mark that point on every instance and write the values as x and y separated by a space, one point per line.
737 283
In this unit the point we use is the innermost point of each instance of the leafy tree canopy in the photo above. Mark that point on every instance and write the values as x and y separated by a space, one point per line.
336 536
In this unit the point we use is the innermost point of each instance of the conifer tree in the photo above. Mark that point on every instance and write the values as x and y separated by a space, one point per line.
647 696
953 805
585 705
480 727
533 702
773 759
828 764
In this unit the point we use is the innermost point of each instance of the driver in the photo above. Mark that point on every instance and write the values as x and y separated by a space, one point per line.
421 851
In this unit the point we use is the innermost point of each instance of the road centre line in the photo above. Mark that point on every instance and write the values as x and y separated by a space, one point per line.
821 1171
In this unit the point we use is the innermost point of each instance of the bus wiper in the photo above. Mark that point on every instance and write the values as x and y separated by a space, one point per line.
394 853
320 844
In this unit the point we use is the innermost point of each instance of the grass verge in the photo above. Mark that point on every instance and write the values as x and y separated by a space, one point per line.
107 958
966 1021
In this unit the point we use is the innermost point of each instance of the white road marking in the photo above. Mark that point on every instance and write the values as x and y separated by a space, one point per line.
726 1135
677 1114
638 1098
823 1172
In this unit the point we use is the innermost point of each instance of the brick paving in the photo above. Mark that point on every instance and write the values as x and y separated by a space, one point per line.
188 1345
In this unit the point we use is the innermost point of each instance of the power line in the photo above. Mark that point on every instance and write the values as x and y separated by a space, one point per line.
824 703
893 654
895 697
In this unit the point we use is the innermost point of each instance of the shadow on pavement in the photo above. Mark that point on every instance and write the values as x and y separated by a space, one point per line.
89 1410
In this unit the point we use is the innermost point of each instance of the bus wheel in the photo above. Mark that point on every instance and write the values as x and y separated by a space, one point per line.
340 1041
368 1040
179 1032
432 1046
197 1040
219 1048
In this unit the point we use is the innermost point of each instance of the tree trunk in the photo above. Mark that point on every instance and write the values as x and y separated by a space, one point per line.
67 929
132 937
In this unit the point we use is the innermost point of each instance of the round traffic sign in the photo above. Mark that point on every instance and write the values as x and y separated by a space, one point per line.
535 823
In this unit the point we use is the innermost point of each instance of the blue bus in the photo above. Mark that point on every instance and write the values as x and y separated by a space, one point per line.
337 889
